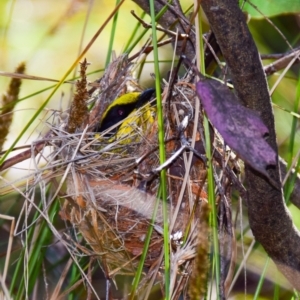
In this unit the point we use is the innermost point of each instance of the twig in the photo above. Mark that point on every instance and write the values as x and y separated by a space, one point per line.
282 62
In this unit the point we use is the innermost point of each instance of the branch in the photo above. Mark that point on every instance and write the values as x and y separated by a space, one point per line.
268 216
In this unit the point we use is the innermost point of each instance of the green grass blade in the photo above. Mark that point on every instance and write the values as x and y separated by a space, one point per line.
261 280
162 152
138 273
112 36
289 186
210 176
134 32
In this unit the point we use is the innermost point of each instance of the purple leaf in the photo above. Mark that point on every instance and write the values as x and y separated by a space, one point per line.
241 128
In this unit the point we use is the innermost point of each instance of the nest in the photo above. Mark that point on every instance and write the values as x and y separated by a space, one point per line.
113 187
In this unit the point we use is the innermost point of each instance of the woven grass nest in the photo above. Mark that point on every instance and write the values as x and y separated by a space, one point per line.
112 187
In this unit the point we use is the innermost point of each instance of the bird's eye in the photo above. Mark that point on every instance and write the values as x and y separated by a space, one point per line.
120 112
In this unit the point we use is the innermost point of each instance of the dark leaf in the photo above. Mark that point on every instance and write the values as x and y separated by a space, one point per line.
241 128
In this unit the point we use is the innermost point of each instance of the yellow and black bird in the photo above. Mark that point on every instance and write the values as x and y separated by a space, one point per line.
134 109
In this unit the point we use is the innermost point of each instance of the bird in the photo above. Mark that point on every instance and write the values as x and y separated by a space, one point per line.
128 114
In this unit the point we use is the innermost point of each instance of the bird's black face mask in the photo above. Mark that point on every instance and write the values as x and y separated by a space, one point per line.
119 110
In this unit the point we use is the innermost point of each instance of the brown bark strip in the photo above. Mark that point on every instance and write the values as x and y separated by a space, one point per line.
268 216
